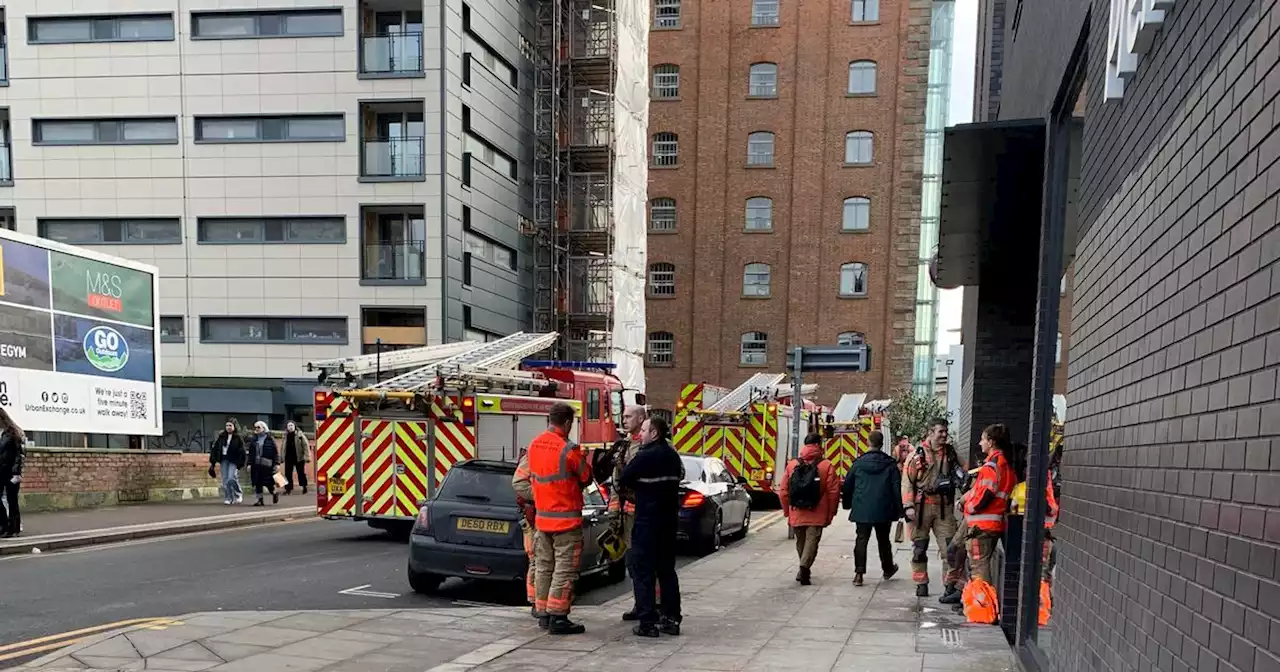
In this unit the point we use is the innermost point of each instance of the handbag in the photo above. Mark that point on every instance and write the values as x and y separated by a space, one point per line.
899 533
266 462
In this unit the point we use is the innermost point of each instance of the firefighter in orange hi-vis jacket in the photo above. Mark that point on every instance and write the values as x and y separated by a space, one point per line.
559 471
987 503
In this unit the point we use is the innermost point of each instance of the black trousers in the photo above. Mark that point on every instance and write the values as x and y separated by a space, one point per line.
11 523
291 464
653 566
883 538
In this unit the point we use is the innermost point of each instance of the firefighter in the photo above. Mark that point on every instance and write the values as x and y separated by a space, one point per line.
654 474
623 500
559 472
931 477
986 504
521 483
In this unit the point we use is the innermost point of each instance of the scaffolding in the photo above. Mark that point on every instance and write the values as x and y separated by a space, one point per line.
589 176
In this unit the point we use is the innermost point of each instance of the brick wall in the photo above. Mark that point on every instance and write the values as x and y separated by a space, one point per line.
1170 527
56 478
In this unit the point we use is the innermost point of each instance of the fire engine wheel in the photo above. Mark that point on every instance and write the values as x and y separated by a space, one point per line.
424 583
716 540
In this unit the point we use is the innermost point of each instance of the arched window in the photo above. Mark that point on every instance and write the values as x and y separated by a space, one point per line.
662 279
853 279
763 82
759 214
754 350
662 348
850 338
862 78
666 81
858 150
764 12
756 279
866 11
666 148
662 214
760 149
857 214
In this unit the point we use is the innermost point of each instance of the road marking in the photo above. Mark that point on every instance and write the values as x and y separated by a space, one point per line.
359 591
50 642
93 548
469 603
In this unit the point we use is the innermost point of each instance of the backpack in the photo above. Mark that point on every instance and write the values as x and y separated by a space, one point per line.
981 603
804 487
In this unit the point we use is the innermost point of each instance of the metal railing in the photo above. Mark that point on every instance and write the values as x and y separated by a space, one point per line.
391 53
395 157
394 261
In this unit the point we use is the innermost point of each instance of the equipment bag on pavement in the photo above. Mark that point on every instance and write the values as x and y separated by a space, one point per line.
981 603
804 487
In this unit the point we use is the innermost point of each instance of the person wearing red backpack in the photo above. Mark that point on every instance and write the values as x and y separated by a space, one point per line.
810 496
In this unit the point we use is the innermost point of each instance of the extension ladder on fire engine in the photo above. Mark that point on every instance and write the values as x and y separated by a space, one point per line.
745 393
493 363
393 360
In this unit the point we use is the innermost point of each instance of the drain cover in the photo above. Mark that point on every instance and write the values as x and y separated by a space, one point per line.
951 638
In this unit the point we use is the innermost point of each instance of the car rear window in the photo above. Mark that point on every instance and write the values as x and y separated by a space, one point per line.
479 485
693 468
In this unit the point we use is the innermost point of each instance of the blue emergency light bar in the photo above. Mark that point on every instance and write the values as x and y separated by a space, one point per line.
563 364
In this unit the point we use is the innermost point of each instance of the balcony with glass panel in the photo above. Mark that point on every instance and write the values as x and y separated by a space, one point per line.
392 142
393 242
391 43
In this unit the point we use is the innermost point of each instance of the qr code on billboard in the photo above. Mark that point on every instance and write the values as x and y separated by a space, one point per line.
138 405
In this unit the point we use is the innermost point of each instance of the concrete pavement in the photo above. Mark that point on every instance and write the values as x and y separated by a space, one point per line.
743 611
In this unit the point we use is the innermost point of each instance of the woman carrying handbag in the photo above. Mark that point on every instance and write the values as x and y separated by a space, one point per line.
264 461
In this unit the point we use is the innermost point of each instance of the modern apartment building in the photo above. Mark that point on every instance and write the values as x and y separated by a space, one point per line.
312 179
786 153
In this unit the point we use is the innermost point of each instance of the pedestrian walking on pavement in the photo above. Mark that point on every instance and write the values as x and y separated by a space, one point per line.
654 474
297 453
810 496
930 481
522 483
622 500
872 493
264 462
559 471
228 455
12 458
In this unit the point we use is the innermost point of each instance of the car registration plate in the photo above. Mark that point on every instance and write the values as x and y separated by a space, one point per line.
483 525
755 475
337 488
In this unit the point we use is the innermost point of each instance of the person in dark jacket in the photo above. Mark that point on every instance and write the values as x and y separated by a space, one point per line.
872 493
264 461
654 474
12 457
227 454
297 453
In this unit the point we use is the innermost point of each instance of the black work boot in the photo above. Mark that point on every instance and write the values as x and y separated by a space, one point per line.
922 590
630 615
645 630
803 576
561 625
544 621
889 573
950 596
668 626
533 611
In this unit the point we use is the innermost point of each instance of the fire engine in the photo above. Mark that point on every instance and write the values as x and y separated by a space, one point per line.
846 431
383 446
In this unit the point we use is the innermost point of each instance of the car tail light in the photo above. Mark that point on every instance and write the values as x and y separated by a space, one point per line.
423 523
693 500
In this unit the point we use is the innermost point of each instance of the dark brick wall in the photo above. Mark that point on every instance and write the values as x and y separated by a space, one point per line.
989 59
1170 520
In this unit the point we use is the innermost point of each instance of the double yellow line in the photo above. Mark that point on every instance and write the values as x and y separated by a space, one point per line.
51 642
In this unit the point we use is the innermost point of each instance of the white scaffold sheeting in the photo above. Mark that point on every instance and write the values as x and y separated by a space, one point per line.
630 190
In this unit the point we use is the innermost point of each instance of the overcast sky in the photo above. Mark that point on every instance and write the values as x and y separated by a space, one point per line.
950 302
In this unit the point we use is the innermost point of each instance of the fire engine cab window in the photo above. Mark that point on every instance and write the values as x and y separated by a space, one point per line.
480 485
615 408
593 404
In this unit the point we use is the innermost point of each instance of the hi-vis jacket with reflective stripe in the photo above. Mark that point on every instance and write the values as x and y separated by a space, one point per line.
988 501
623 499
1018 503
559 473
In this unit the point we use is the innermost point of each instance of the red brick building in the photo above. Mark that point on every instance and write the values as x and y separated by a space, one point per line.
785 177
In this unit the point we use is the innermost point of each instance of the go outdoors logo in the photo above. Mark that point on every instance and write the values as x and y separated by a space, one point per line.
106 349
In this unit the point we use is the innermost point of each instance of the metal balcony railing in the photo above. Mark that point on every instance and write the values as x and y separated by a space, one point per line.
401 157
391 53
394 261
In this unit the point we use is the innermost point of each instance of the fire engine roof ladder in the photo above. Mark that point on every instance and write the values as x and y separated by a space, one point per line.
847 408
392 360
493 362
745 393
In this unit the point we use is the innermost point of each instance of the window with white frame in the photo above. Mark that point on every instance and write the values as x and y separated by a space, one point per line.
866 11
662 279
760 149
666 13
857 214
662 214
763 80
853 279
666 81
764 12
759 214
666 150
754 349
756 279
862 78
858 148
662 348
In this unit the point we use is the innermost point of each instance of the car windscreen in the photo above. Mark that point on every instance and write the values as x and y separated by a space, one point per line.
479 485
693 469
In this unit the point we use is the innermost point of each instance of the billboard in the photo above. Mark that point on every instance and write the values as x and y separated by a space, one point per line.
79 336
